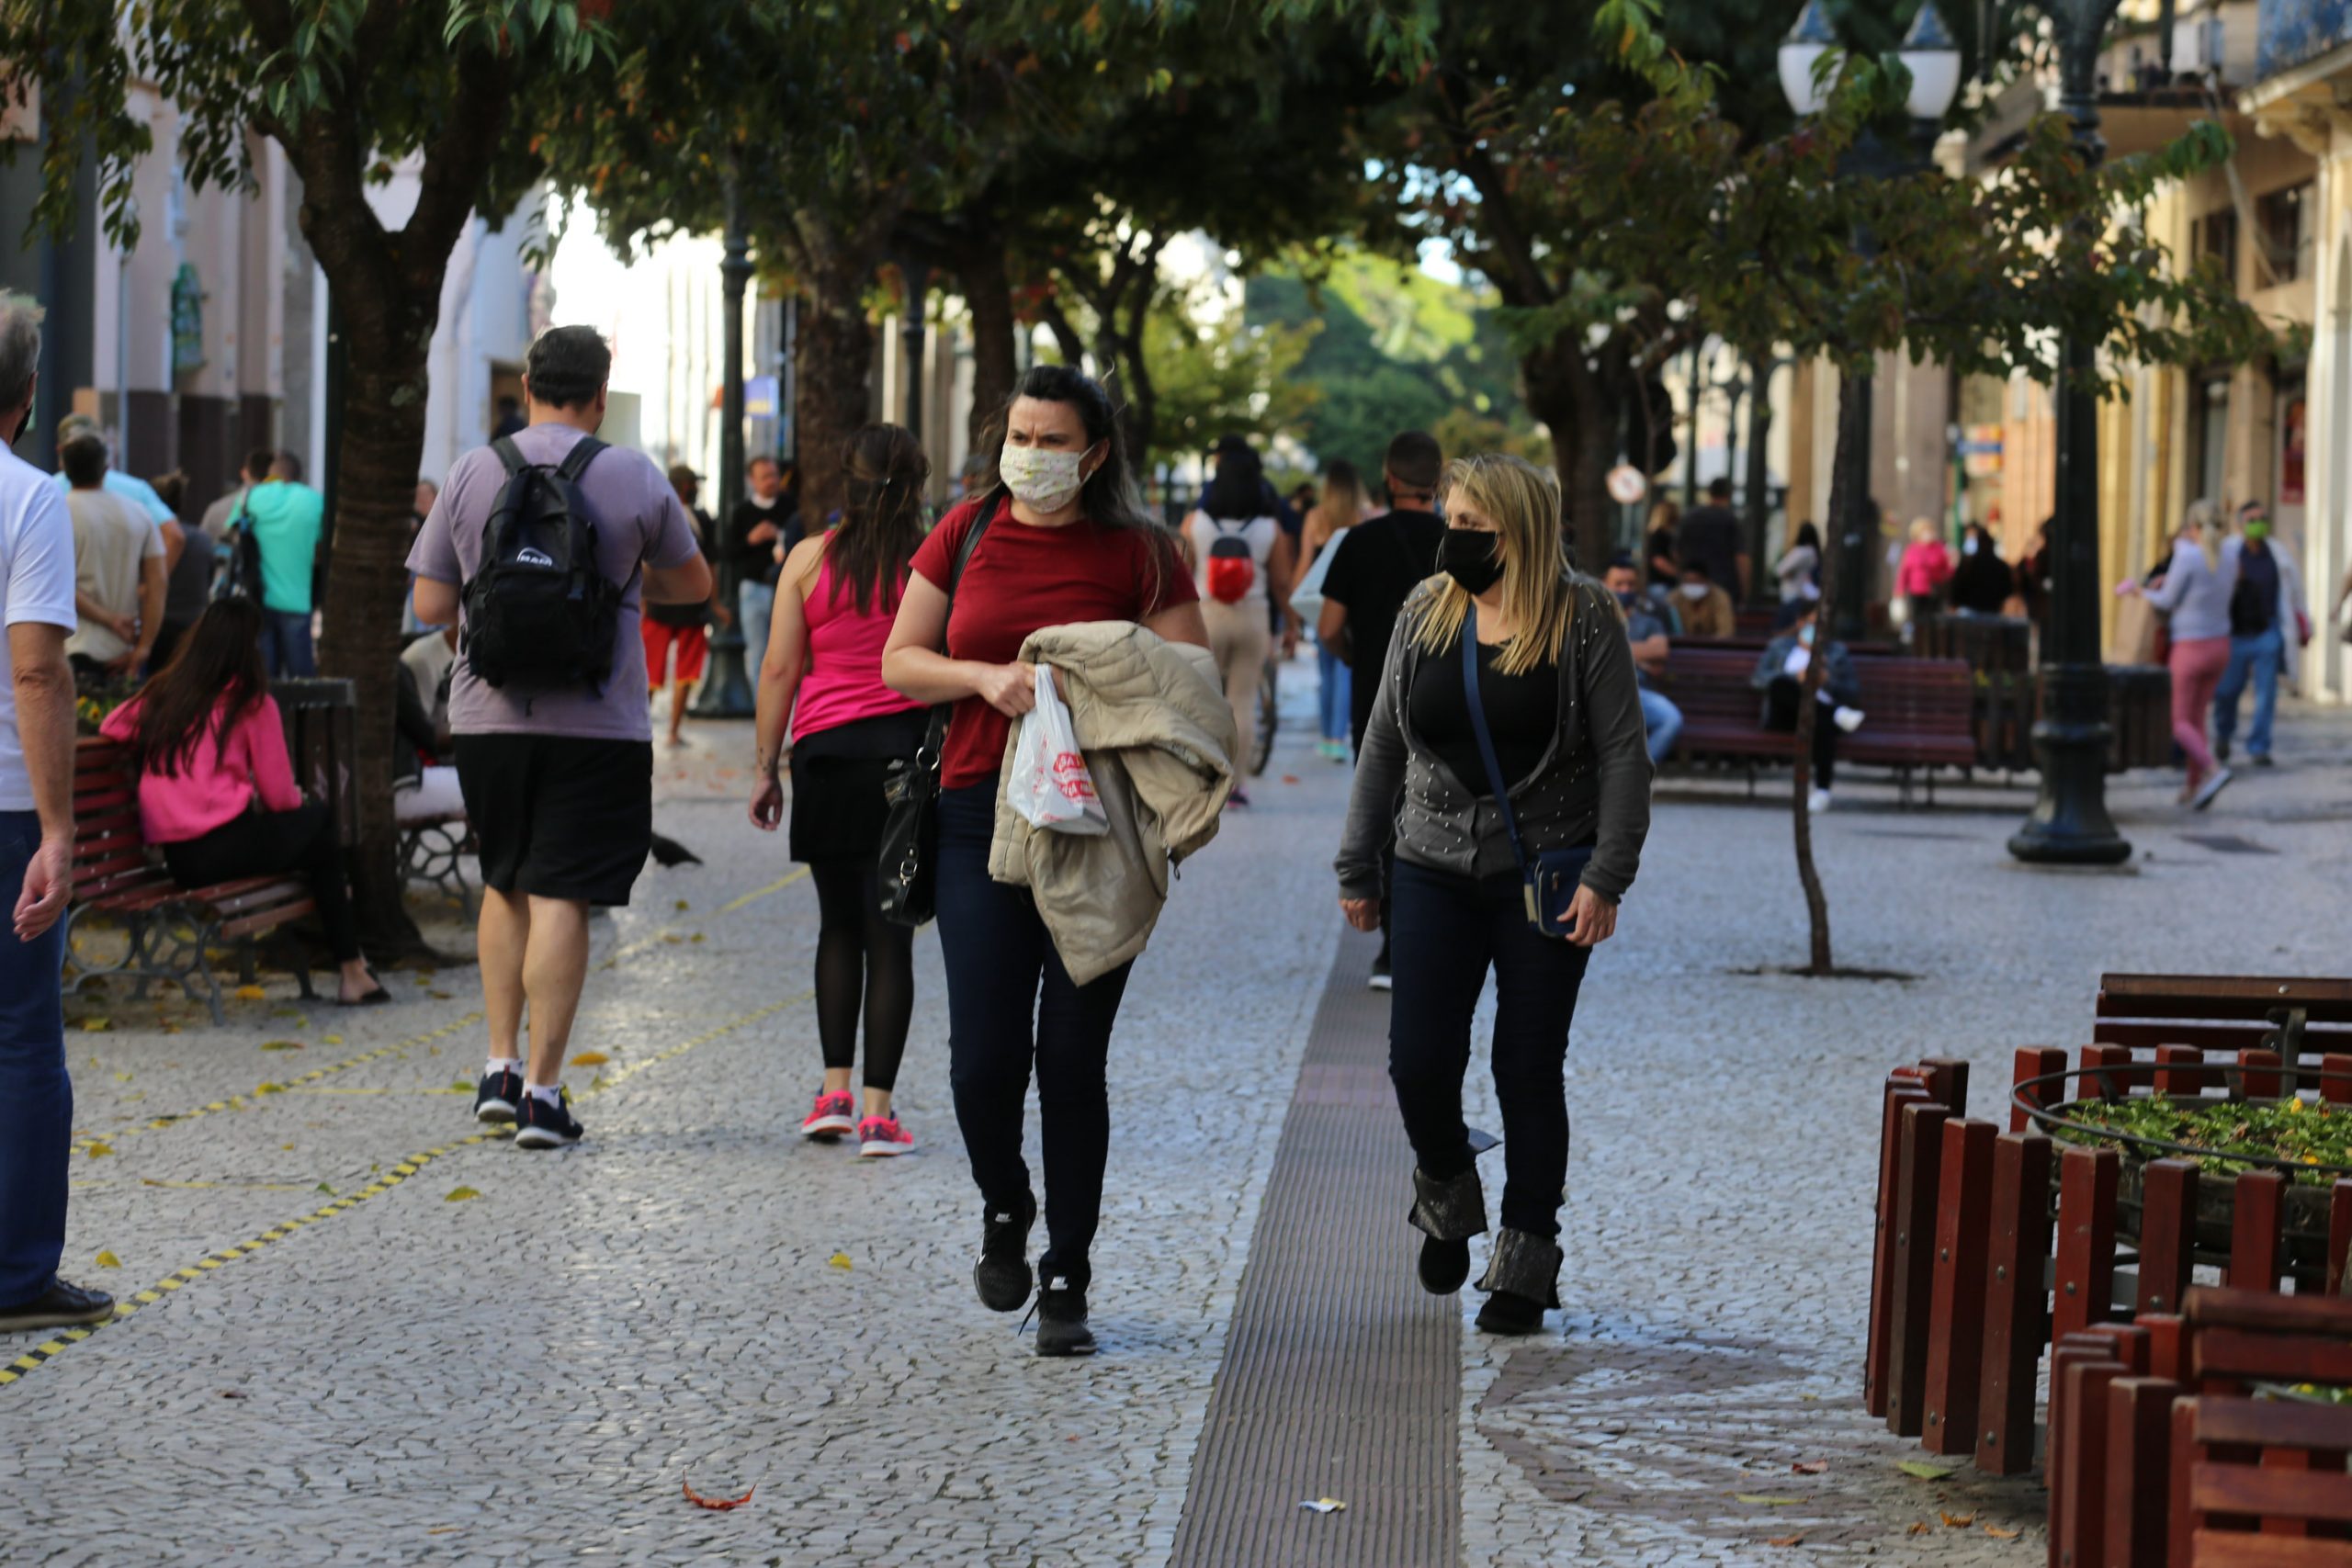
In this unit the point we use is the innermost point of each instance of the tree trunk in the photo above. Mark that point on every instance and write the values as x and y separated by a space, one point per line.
1572 400
983 276
1841 497
1759 431
1066 342
834 360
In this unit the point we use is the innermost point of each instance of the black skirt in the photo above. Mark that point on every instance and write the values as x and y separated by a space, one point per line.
837 779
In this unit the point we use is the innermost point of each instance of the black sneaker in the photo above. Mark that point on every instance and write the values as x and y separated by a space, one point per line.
538 1125
1001 1273
70 1307
1062 1321
2222 751
2262 759
497 1096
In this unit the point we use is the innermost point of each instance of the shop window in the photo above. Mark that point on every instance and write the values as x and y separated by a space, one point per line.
2284 221
2213 414
2216 235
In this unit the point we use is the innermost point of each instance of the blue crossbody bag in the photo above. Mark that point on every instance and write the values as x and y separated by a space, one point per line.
1550 880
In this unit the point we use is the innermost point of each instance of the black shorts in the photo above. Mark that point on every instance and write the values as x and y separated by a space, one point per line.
559 815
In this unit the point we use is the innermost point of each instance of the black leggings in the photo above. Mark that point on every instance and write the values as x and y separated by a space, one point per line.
1785 693
271 844
860 955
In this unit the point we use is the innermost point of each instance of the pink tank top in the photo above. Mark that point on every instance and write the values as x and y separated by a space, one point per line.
844 683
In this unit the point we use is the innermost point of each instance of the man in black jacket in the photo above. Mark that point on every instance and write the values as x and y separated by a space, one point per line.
762 531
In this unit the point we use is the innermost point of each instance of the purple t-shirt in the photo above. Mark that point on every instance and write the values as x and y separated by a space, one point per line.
639 521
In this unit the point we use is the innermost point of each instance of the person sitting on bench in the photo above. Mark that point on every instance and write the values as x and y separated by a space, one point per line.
1779 675
216 792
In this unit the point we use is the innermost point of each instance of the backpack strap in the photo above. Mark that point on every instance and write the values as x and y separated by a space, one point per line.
576 462
510 455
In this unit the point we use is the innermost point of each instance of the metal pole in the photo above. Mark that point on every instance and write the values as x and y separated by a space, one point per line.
2070 825
1853 565
725 692
917 278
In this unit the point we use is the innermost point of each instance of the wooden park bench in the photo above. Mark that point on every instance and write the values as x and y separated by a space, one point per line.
1920 713
169 931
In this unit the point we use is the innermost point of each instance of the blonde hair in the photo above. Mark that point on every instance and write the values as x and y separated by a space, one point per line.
2210 525
1525 502
1665 514
1342 502
1922 529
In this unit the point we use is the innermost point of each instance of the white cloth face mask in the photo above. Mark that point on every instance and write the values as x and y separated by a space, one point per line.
1039 478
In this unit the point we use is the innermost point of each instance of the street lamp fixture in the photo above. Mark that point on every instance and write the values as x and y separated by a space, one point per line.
1932 56
1808 40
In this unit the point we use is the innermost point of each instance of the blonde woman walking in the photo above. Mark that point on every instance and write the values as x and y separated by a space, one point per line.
1508 722
2194 594
1342 508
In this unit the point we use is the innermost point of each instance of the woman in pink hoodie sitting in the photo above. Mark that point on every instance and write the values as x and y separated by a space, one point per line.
216 792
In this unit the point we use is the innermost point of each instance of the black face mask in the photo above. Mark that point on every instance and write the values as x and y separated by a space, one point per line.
1472 558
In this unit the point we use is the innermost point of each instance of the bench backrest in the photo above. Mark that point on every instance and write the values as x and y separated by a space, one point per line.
107 847
1914 696
2260 1483
2223 1012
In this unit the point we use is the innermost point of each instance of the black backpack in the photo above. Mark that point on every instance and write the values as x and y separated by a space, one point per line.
240 575
539 612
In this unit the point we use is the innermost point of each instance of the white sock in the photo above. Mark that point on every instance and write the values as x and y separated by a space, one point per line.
503 1065
545 1093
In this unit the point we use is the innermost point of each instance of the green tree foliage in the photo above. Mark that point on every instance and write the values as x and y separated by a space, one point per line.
1217 374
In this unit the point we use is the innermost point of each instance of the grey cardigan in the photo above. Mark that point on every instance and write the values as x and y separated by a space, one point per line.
1592 784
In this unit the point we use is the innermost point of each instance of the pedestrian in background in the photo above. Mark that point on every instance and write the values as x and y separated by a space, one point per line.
36 859
558 777
761 532
188 561
286 517
1799 568
118 579
1509 720
1982 584
129 487
1779 675
1651 644
821 674
1659 547
2269 624
227 511
2194 595
1066 539
1920 577
677 637
1342 506
1705 609
1713 536
1238 549
216 790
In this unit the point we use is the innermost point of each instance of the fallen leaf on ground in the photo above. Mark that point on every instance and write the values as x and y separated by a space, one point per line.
282 1045
716 1505
322 1187
1811 1467
108 1260
459 1194
123 1078
672 938
251 994
590 1059
697 937
1998 1533
838 1260
97 1025
1959 1521
461 1086
1786 1541
683 905
1768 1502
269 1088
337 1040
1325 1506
1923 1469
99 1150
1290 778
1919 1527
438 996
285 1146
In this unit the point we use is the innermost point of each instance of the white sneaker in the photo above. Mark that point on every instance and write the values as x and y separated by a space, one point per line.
1817 801
1848 719
2212 786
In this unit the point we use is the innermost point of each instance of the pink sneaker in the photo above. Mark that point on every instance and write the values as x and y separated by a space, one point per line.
881 1137
829 1117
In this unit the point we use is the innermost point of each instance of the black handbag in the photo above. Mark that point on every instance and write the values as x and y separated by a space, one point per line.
909 857
1549 881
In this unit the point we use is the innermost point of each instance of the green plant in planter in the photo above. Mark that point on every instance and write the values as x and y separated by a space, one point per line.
2229 1135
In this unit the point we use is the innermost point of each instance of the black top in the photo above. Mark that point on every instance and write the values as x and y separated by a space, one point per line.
2253 603
692 614
758 563
1981 583
1660 542
1712 536
1523 714
1381 561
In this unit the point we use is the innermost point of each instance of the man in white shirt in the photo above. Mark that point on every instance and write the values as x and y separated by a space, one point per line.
137 491
119 560
36 859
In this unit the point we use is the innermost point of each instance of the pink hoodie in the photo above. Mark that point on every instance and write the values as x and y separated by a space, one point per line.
217 783
1927 566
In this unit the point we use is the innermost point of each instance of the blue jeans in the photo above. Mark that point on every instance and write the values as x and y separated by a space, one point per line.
755 603
36 1096
1448 930
286 644
1664 719
1331 700
2260 656
1009 1002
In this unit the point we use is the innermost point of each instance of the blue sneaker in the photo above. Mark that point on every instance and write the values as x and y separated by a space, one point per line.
497 1096
541 1125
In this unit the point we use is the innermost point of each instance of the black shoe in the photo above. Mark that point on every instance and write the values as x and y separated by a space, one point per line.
2222 751
497 1096
1444 1265
1061 1320
70 1307
1001 1274
1507 1311
538 1125
1380 977
2262 759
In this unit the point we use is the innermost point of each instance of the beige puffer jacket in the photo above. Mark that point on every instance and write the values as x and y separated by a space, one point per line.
1157 733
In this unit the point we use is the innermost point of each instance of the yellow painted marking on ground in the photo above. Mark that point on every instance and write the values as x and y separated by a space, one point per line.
778 885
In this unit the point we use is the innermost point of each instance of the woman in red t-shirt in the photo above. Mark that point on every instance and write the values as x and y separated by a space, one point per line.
1064 539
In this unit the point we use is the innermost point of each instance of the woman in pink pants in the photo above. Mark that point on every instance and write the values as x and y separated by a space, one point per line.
2195 597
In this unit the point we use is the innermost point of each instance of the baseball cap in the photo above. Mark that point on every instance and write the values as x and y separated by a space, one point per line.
680 472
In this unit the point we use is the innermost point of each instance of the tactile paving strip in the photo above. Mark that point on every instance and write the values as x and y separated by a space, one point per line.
1342 1377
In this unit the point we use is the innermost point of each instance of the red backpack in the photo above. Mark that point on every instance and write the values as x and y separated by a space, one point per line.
1232 568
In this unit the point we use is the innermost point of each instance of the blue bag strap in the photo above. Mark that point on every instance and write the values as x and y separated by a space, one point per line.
1485 738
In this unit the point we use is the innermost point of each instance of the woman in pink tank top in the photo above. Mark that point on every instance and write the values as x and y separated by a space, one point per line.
835 600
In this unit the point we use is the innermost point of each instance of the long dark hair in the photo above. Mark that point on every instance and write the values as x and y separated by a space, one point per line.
1111 498
215 676
882 521
1237 492
1809 537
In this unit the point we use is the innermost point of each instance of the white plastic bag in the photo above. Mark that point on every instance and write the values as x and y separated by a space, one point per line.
1307 602
1050 786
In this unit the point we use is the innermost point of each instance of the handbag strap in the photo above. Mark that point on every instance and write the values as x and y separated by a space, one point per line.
1485 738
935 737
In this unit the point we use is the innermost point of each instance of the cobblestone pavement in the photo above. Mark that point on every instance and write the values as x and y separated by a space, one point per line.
490 1356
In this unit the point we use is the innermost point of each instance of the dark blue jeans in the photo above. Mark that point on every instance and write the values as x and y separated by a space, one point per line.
36 1096
1010 1002
1446 932
286 644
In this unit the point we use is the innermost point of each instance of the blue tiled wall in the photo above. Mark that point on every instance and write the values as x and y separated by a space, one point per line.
2295 30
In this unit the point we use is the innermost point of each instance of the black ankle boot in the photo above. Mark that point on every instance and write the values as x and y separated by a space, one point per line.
1001 1275
1449 1213
1523 1279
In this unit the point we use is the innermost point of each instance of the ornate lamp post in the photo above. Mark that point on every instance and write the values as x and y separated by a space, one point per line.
2070 825
725 692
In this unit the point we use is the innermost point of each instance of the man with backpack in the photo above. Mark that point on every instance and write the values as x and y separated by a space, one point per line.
540 549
